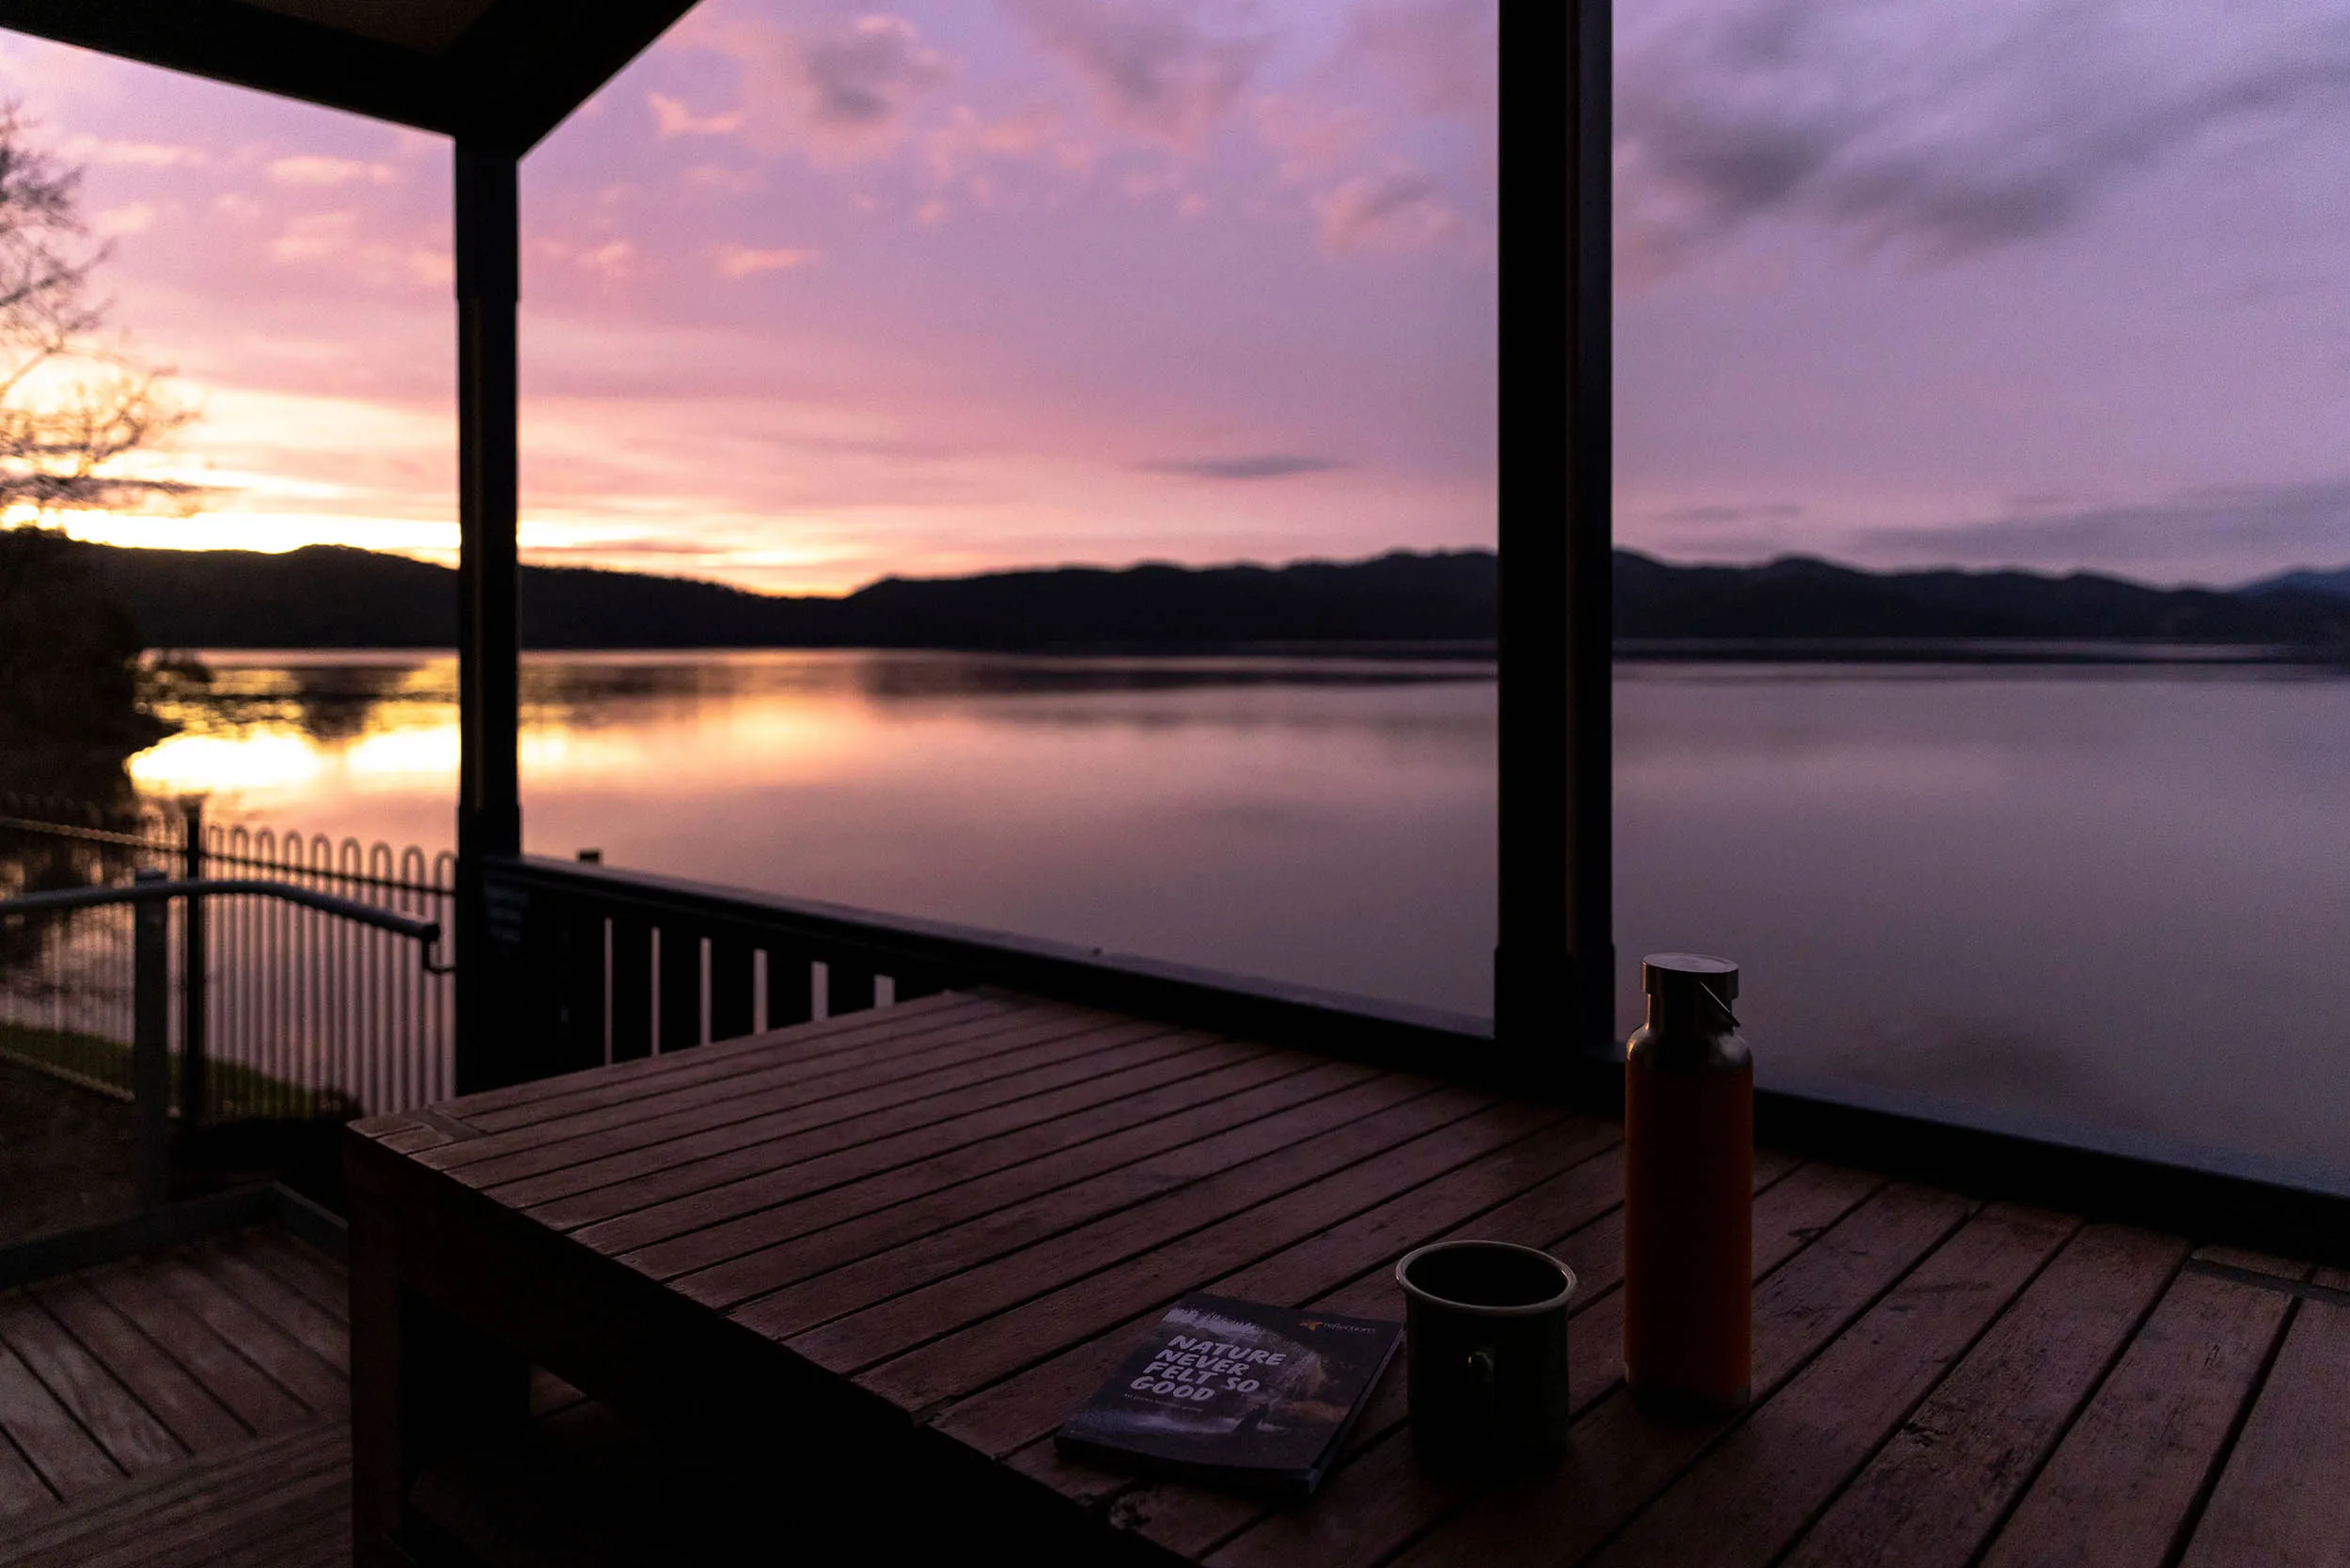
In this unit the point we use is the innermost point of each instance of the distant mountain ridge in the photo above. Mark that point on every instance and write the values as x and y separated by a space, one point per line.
333 596
1800 597
2304 581
325 596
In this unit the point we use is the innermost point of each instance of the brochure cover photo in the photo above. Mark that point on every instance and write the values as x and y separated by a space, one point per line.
1235 1392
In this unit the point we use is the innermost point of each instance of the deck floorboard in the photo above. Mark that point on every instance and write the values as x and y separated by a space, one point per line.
1752 1494
130 1408
646 1195
1955 1467
130 1435
197 1416
2281 1499
140 1295
318 1385
2122 1484
797 1235
321 1333
48 1433
905 1250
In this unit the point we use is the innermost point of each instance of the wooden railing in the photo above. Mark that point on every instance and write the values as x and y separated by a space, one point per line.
600 965
603 964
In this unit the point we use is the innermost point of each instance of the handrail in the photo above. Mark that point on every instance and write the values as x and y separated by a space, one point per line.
150 896
145 890
87 835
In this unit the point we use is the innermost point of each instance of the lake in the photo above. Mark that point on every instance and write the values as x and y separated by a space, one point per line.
2107 904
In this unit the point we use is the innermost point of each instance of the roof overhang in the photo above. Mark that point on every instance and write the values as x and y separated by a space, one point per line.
504 72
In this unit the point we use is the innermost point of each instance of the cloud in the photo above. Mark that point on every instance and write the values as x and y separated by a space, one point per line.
315 237
1033 134
592 548
742 261
1401 209
130 218
1166 70
318 170
836 91
1264 465
85 148
2190 530
335 241
863 74
895 449
1446 51
718 179
1309 139
1768 511
1944 129
613 264
671 118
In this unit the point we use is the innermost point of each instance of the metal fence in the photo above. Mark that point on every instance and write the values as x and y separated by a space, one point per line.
296 1014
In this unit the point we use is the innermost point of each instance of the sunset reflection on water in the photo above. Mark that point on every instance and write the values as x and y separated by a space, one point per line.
1211 810
2057 897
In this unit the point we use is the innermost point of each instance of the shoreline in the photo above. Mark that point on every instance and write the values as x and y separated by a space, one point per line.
1839 650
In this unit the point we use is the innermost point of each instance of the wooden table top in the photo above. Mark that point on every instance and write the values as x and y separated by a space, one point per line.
970 1206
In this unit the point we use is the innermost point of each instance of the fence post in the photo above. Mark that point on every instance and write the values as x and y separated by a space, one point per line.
195 1002
150 1041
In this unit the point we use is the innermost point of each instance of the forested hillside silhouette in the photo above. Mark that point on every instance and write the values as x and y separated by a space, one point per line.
329 597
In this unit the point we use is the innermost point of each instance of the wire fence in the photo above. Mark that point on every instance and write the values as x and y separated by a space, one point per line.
294 1013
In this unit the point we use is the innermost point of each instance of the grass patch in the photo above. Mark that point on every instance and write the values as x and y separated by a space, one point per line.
95 1062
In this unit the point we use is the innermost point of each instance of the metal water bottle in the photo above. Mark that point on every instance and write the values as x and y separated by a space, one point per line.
1688 1201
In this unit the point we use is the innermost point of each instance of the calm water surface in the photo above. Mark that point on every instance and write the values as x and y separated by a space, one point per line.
2111 903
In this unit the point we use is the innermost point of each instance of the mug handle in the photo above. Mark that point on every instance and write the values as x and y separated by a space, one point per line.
1481 1370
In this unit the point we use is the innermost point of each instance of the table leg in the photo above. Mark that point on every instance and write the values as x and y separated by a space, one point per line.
423 1382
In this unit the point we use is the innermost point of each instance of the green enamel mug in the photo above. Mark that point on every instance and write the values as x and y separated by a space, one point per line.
1485 1340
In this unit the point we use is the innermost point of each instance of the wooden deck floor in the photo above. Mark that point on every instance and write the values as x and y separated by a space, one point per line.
968 1207
180 1410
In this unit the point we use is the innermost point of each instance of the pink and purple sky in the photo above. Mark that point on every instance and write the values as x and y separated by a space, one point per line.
818 291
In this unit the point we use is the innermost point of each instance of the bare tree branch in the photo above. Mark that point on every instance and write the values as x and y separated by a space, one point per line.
71 406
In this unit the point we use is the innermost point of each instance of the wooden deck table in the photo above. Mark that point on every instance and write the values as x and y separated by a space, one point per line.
917 1237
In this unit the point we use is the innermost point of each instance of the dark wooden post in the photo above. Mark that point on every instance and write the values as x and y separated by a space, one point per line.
489 658
1554 970
1591 535
194 994
150 1041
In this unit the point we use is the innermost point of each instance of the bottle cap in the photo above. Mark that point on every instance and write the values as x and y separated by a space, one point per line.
1675 974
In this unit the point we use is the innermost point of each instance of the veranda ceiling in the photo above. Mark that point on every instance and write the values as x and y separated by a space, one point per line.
504 72
431 25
